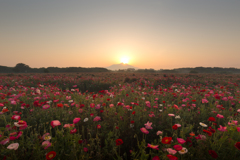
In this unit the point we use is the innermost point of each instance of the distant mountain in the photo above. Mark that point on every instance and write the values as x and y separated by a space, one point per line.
121 66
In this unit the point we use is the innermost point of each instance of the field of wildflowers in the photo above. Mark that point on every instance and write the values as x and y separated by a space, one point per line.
119 116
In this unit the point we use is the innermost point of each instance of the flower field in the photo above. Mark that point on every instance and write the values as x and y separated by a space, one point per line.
106 116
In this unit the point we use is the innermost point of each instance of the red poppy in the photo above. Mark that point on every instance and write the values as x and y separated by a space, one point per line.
212 119
117 127
132 122
51 155
80 141
167 140
237 145
213 154
133 112
208 132
175 127
119 142
60 105
171 157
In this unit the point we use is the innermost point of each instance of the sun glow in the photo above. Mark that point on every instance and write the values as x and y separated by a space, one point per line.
124 60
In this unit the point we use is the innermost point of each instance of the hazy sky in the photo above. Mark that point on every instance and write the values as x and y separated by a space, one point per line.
155 34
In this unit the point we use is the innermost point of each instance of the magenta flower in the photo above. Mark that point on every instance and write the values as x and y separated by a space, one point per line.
5 141
92 105
238 129
55 123
46 137
16 117
97 118
73 131
177 147
46 144
223 129
220 116
171 115
171 151
204 100
148 125
181 141
153 146
68 125
76 120
144 130
46 106
159 132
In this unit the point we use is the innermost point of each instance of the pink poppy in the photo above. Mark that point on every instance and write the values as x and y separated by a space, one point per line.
181 141
16 117
177 147
159 132
171 115
238 129
97 118
171 151
220 116
68 125
204 100
148 125
153 146
73 131
46 106
55 123
76 120
223 129
144 130
13 146
5 141
46 144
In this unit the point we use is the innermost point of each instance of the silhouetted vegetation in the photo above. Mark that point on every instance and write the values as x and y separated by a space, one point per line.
23 68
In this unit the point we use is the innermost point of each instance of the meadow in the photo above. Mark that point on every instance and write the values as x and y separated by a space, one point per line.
105 116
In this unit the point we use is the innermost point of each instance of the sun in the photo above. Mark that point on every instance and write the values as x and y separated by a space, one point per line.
124 60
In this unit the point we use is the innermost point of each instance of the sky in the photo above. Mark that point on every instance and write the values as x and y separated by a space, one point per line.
158 34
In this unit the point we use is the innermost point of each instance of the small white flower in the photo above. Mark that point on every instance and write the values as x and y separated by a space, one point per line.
202 124
183 151
72 90
160 110
131 125
85 120
178 117
70 101
50 101
160 105
143 98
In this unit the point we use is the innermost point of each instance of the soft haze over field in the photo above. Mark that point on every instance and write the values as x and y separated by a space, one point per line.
98 33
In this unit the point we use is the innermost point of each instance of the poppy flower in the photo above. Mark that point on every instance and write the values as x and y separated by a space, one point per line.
119 142
171 157
55 123
175 127
73 131
237 145
212 119
144 130
208 132
76 120
156 158
51 155
153 146
213 153
167 140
